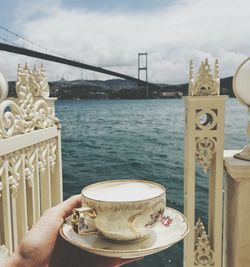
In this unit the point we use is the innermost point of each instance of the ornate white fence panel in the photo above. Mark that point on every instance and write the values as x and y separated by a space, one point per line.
204 143
30 156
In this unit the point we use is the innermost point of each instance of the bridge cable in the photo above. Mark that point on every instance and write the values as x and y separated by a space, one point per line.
33 43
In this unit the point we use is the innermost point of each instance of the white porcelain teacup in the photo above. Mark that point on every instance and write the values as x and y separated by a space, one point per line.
121 210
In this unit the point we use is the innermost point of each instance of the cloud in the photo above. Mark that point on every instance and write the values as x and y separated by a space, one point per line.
172 35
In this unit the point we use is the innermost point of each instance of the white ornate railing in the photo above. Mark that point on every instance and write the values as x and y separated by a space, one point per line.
30 156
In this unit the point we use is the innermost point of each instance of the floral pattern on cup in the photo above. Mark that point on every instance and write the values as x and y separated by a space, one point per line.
166 221
154 218
82 225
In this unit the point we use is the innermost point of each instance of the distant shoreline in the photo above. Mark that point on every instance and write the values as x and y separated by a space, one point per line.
119 89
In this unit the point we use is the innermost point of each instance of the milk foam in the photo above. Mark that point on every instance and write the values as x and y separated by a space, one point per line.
123 191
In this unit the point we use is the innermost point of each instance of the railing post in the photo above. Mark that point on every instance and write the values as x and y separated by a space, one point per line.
21 202
33 185
236 212
204 143
5 195
45 179
56 181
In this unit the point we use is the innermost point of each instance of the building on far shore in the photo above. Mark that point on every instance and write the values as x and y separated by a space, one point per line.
175 94
97 95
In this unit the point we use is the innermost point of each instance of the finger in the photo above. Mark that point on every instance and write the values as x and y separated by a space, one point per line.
67 206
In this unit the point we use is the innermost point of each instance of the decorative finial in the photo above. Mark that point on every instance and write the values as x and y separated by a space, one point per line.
205 83
216 69
191 77
26 66
191 70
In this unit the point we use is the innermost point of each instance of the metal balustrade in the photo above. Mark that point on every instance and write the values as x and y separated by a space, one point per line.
30 157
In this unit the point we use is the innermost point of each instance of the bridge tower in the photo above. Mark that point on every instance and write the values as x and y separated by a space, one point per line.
143 66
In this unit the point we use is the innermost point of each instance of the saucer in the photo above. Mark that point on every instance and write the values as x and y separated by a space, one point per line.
172 228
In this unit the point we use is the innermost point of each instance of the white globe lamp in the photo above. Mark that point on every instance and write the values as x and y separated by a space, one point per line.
241 88
4 88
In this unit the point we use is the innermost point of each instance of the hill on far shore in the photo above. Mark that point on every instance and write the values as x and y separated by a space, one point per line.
120 89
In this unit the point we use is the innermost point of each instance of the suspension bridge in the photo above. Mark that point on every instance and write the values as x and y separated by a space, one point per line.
9 46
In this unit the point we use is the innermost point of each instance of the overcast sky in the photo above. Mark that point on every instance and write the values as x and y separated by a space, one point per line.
110 34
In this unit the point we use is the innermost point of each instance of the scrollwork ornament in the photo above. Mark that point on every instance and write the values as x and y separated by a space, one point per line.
14 160
42 150
204 255
11 119
52 154
29 165
205 149
42 115
26 113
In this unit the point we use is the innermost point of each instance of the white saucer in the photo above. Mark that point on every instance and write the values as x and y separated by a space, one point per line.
162 237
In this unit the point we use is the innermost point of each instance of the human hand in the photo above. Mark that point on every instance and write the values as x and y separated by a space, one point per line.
42 246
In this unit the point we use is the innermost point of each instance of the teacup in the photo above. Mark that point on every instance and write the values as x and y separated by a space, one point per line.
122 210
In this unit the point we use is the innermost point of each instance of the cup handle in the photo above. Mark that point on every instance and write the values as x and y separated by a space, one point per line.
80 223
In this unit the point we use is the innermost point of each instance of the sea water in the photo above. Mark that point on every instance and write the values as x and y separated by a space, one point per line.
137 139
